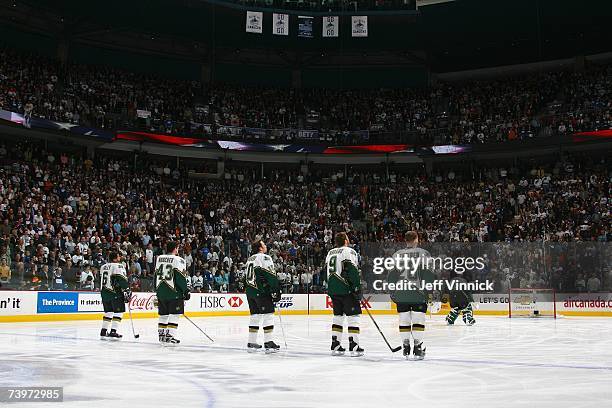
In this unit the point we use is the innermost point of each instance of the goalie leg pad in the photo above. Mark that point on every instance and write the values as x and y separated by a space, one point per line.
452 315
468 315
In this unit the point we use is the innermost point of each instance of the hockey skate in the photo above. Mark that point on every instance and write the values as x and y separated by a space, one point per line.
419 351
113 335
171 340
354 348
271 347
253 347
406 347
103 334
162 335
336 347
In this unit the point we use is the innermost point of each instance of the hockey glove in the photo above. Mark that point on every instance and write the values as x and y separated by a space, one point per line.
357 294
187 295
276 296
127 294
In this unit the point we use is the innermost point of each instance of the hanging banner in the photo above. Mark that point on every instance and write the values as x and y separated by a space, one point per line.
280 24
141 113
305 26
330 26
359 26
254 22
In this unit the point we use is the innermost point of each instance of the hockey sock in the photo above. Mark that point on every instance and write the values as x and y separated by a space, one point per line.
353 327
173 320
162 325
106 320
254 328
418 326
404 326
337 327
268 326
452 315
116 320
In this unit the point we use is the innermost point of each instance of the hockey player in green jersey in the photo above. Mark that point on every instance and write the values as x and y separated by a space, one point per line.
115 293
262 290
172 292
344 289
461 302
411 302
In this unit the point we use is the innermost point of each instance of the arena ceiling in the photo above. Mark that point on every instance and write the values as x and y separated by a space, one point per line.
446 37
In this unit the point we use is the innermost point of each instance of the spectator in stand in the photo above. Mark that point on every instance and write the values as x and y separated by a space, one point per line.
221 281
87 279
149 257
209 278
5 271
593 284
580 283
197 282
295 278
306 280
56 280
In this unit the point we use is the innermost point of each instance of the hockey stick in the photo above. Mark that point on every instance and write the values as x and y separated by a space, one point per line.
393 350
280 319
198 327
132 322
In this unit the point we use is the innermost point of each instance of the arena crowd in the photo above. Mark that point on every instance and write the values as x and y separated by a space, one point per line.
500 110
541 224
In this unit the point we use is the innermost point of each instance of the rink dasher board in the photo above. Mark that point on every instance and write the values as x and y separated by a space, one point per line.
18 306
24 306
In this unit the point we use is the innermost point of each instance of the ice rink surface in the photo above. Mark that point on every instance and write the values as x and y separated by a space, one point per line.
499 362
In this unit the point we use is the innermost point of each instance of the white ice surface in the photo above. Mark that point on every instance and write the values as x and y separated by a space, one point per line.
499 362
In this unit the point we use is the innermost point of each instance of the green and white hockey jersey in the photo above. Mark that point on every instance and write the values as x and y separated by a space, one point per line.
416 272
260 276
170 277
342 271
113 280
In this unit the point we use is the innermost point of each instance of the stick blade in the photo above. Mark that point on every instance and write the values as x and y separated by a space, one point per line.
396 349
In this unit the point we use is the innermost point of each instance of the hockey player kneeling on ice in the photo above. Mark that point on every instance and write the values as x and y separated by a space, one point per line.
461 303
412 303
172 292
344 289
115 293
262 290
